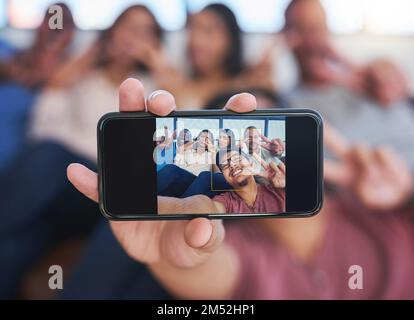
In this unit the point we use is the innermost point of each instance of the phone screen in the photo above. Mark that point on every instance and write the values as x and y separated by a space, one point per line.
238 165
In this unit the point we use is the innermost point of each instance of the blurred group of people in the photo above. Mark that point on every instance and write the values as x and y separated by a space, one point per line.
229 170
52 100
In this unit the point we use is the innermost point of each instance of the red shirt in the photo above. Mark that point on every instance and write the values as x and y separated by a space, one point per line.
382 243
268 199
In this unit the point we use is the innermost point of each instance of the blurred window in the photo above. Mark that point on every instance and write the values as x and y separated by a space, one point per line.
3 13
252 15
392 17
96 14
389 16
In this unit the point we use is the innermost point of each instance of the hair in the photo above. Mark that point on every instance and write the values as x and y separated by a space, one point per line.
233 62
219 101
225 151
249 128
230 134
105 36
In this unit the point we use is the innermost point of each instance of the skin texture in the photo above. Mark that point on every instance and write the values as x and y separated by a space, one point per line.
188 255
208 42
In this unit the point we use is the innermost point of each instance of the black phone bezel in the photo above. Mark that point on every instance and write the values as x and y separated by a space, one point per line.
194 113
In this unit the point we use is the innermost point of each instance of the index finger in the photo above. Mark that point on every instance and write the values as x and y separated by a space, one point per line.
264 138
131 96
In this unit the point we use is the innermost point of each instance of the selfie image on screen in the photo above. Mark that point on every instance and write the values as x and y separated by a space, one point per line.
238 163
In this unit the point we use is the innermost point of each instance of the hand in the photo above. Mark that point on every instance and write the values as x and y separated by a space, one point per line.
274 146
385 82
322 64
180 244
377 176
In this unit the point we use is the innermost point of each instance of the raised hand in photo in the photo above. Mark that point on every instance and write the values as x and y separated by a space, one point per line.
274 173
275 146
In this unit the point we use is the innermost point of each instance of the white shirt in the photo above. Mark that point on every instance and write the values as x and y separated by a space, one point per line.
193 161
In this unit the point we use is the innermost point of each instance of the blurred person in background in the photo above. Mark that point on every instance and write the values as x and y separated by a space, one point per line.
86 88
215 53
23 75
368 223
366 103
39 207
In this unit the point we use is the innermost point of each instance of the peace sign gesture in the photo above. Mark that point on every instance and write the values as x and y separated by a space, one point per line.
272 172
378 176
275 146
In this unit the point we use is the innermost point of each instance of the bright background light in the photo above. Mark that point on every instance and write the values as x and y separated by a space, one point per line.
389 16
94 14
3 14
344 17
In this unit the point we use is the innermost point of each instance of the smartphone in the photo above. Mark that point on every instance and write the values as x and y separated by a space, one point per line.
210 163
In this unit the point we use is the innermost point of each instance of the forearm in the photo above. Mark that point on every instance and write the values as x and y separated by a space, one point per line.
216 278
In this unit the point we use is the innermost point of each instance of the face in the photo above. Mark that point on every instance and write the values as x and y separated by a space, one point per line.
208 42
202 139
253 137
136 31
224 140
306 29
236 169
